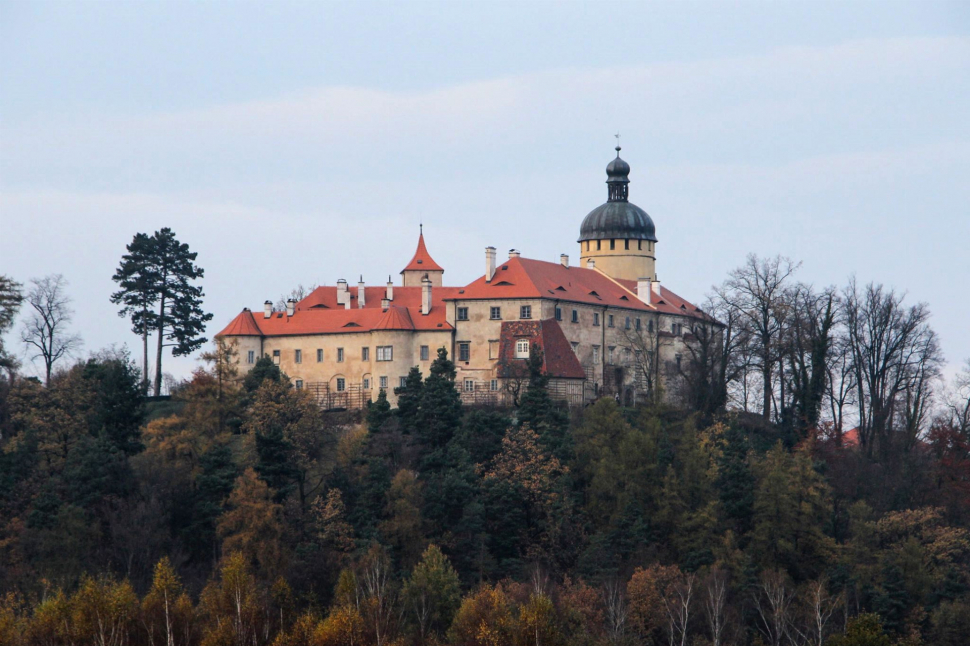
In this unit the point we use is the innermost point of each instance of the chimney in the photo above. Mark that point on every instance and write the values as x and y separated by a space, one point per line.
656 290
514 253
564 260
390 289
425 295
360 292
591 263
385 303
267 309
489 263
343 294
643 290
290 306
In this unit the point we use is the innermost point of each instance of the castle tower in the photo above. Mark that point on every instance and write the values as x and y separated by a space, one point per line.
421 265
619 236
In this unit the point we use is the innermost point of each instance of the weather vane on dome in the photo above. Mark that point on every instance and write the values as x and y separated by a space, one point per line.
617 135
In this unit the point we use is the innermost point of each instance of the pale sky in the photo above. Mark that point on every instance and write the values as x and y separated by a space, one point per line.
303 142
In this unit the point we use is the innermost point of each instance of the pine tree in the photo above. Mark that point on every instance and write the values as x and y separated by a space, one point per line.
735 482
538 412
11 297
440 411
138 279
378 412
409 400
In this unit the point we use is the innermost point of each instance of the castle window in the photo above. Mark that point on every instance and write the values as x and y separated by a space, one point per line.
469 385
522 349
365 354
299 384
575 345
366 383
525 312
462 314
587 245
599 245
626 245
627 325
425 353
609 354
403 382
677 358
639 245
298 356
319 355
575 318
251 357
596 319
383 383
609 320
494 385
464 351
596 354
341 384
558 313
495 313
638 325
612 244
276 357
340 355
493 348
385 353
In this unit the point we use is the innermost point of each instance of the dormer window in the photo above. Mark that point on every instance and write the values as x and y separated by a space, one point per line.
522 349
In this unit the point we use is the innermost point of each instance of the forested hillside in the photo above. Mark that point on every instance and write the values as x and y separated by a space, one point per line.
238 512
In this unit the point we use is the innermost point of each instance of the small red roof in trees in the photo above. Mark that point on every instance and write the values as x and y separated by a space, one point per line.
558 358
422 259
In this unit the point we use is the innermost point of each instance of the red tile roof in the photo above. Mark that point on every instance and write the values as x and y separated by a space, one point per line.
422 259
558 358
669 303
319 313
242 325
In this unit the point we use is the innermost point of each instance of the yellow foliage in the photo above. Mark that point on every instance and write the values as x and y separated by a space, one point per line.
343 627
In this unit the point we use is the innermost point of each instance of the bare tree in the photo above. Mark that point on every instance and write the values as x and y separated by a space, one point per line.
819 608
614 601
642 343
298 293
715 604
840 386
379 594
756 292
772 602
678 601
45 330
957 400
896 359
808 340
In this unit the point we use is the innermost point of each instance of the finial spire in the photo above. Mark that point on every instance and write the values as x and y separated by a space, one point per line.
421 228
617 135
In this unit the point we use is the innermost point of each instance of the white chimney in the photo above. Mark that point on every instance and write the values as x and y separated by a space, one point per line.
656 290
385 303
343 294
564 260
489 263
643 290
360 292
267 309
290 306
514 253
390 289
425 295
591 263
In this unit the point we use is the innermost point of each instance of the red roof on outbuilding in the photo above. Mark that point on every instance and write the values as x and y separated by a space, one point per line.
558 358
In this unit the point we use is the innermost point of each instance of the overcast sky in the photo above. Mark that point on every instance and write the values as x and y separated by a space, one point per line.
304 142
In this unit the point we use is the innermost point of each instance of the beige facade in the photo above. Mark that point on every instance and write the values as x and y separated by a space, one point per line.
626 259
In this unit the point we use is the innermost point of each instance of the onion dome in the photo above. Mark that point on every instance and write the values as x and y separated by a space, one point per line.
618 218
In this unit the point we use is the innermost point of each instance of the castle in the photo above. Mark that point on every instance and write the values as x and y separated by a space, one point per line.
606 326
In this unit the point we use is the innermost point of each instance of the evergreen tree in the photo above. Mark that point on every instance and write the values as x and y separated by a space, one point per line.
735 482
538 412
212 487
117 411
157 275
263 369
409 400
11 297
440 411
378 412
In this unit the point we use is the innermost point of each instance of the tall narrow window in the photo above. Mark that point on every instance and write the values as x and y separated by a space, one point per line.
596 354
598 245
299 384
365 354
494 384
403 382
596 319
638 325
650 325
340 355
575 318
366 383
341 384
558 313
626 245
251 357
612 245
319 355
609 320
464 351
276 357
298 356
383 383
627 326
425 353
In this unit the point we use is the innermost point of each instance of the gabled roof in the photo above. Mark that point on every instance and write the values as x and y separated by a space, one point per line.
242 325
558 358
395 318
422 260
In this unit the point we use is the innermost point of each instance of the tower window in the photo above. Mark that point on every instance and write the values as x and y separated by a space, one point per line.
639 245
612 244
599 245
626 245
650 325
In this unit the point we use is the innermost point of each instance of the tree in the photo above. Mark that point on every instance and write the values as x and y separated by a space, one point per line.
538 412
409 400
137 277
440 410
158 272
756 294
432 593
808 342
45 329
164 608
11 297
863 630
252 525
378 412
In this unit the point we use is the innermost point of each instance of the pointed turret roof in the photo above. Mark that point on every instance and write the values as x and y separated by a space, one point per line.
243 325
422 260
395 318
